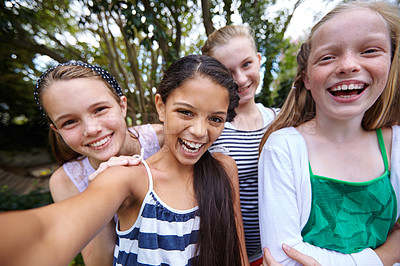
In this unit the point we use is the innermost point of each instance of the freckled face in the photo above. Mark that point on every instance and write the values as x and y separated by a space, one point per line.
243 62
349 64
194 116
88 117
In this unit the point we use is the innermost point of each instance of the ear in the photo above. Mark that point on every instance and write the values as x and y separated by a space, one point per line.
304 77
259 57
160 106
123 103
53 127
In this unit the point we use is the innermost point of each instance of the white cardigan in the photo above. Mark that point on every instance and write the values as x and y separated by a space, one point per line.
285 199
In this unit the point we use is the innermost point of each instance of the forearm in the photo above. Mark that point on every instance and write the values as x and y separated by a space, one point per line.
100 251
54 234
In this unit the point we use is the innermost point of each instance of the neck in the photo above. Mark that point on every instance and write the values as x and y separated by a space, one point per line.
248 117
130 146
340 131
166 162
247 108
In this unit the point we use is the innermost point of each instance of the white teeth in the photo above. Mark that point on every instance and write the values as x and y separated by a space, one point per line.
194 147
100 142
348 87
345 96
243 88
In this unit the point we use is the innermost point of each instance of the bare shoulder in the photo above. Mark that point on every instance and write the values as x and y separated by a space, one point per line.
159 129
61 186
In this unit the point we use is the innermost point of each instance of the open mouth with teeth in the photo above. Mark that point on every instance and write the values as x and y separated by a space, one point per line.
347 91
243 89
100 142
189 146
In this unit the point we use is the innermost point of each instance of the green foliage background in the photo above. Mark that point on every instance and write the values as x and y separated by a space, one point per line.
134 40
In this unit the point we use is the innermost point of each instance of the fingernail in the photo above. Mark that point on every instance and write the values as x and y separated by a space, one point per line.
285 247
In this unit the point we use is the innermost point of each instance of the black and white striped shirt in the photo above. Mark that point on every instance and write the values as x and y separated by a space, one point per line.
242 146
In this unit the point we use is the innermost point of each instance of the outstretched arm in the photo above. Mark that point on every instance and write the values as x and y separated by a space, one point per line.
54 234
100 250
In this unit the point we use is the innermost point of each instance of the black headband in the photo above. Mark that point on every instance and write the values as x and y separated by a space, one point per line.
103 73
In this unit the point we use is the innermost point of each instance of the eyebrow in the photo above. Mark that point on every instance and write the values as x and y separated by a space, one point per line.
192 107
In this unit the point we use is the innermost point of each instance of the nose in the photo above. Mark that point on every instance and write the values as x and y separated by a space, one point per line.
198 128
240 78
91 126
348 63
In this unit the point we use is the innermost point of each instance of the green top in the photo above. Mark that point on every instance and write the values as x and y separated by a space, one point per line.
351 216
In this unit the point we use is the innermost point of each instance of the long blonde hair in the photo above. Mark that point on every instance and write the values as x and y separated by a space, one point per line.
299 106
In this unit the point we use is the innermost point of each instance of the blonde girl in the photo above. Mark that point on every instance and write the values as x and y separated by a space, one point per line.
329 168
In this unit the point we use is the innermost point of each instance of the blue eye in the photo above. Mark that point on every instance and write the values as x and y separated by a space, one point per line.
185 112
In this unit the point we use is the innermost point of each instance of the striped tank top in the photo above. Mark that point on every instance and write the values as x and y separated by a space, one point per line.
242 146
161 235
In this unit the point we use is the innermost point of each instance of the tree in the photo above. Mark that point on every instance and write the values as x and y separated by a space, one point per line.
18 24
269 38
149 39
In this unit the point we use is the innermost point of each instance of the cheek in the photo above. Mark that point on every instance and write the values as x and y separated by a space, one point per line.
215 133
114 121
255 73
70 137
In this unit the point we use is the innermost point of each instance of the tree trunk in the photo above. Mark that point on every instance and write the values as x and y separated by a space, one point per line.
208 24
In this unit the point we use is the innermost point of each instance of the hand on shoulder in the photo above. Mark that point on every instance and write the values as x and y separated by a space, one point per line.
115 161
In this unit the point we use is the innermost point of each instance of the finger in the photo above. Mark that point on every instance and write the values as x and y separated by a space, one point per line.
299 257
102 167
268 260
134 161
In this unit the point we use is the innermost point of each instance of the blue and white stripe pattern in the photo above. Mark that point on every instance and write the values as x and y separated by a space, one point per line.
161 235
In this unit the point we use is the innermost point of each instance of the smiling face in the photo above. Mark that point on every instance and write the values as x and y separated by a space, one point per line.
87 116
243 62
348 64
193 116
